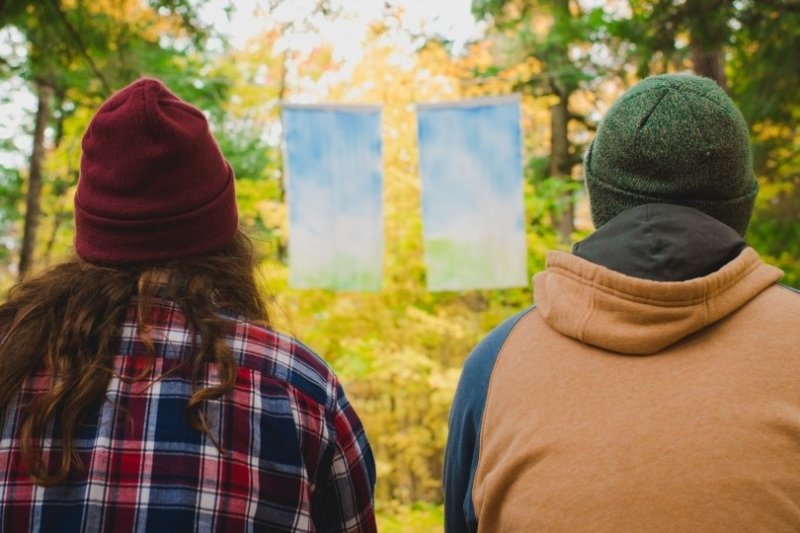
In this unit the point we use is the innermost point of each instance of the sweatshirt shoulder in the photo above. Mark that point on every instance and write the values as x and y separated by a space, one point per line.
795 292
480 362
466 414
781 299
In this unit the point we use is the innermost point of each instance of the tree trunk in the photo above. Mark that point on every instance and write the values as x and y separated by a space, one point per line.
44 94
281 97
281 248
710 63
561 163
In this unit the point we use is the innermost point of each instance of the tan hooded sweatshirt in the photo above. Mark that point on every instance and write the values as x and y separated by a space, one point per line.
703 437
621 404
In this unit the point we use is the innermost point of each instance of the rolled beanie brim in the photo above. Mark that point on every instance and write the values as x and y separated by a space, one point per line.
106 240
607 201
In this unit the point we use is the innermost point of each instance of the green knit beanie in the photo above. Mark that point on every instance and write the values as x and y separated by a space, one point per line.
676 139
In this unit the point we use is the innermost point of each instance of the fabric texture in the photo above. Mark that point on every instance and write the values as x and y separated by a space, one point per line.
294 453
661 242
703 435
673 138
622 314
154 185
622 403
461 454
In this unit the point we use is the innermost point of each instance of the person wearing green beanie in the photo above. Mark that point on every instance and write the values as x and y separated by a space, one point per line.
654 384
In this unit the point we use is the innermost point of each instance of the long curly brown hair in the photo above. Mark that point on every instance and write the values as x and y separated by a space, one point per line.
67 322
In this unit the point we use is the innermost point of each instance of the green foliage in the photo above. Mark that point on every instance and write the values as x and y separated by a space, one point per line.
765 81
664 30
553 195
526 37
419 517
765 74
10 197
775 228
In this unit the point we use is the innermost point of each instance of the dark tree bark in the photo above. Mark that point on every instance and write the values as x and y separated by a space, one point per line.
561 161
560 164
710 63
44 95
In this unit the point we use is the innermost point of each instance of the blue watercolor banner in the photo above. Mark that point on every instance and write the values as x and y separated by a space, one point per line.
334 169
470 156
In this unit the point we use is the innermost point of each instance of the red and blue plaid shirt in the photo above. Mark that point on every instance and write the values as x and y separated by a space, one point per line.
294 454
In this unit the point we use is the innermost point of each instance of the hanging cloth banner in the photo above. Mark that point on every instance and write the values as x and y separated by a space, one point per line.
470 156
334 170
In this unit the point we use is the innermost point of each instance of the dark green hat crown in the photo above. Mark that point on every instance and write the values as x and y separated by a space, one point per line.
676 139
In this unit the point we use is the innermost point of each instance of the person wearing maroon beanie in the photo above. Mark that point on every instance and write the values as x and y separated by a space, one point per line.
141 385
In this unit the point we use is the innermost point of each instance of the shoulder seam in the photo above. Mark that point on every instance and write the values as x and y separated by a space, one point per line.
278 344
488 398
788 288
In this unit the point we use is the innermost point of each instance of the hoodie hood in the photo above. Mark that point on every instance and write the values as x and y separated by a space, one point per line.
638 314
662 242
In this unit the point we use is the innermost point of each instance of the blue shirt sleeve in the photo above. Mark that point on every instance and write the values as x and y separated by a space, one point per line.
466 413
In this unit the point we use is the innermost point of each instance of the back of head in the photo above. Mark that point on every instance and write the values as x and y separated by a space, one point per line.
154 186
676 139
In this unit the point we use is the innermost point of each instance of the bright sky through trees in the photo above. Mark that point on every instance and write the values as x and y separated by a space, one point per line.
450 19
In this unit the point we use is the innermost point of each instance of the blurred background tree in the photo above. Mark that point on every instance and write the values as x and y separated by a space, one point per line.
399 351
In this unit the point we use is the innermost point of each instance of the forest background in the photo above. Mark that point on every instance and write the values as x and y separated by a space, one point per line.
399 351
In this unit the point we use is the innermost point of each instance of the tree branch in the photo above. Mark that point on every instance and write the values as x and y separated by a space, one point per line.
79 42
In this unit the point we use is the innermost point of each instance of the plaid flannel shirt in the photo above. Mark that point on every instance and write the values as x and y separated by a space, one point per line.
294 454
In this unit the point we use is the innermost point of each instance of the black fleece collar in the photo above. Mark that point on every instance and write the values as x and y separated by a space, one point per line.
662 242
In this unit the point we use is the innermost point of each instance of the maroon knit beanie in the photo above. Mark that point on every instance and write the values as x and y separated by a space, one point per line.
154 185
